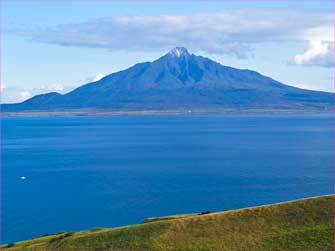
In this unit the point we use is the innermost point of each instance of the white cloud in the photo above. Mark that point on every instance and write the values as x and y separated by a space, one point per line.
90 79
24 94
48 88
55 87
98 77
318 53
225 32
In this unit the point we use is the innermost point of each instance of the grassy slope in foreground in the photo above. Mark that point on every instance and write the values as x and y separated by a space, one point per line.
296 225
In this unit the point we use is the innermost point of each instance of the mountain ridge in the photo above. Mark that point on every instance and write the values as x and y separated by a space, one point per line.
180 80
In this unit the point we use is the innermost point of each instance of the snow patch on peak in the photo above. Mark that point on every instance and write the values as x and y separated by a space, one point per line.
178 52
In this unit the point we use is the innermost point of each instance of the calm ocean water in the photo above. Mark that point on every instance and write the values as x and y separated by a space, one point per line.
90 171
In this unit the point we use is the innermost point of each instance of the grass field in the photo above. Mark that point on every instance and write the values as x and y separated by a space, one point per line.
306 224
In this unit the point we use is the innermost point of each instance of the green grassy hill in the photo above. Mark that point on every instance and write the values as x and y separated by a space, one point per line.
306 224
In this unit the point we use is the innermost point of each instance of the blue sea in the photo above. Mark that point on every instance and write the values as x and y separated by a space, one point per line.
106 171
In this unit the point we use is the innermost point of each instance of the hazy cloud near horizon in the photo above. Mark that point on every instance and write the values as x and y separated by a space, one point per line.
14 94
231 31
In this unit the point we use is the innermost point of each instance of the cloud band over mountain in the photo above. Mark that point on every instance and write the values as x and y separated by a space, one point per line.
232 31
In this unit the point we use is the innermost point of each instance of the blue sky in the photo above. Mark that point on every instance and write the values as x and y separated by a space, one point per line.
59 45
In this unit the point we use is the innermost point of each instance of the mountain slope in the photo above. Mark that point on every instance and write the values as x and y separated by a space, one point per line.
180 80
306 224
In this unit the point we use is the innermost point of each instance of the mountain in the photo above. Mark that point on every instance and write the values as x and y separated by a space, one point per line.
180 81
306 224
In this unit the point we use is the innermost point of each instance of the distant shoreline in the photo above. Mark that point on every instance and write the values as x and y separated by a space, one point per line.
162 112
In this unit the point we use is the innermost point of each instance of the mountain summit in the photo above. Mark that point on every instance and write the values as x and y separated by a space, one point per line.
181 81
179 52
